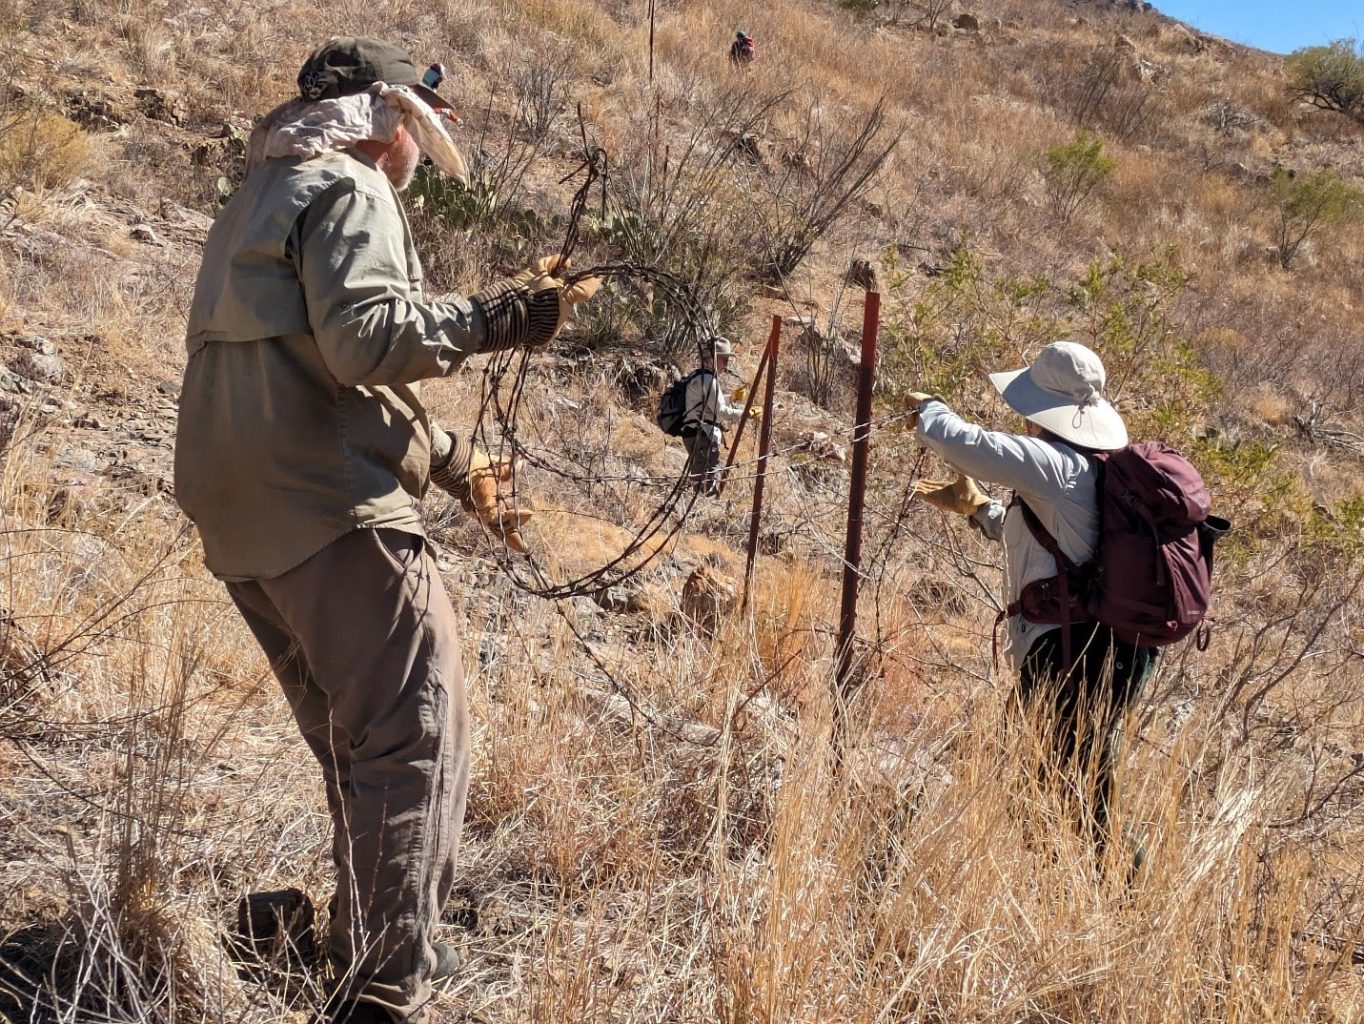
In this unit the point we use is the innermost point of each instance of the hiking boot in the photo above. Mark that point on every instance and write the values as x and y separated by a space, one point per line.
447 963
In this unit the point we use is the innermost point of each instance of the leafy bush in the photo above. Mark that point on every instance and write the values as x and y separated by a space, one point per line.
1073 171
1305 204
1330 77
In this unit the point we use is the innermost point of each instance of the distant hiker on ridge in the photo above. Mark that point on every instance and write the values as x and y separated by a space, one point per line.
743 49
302 451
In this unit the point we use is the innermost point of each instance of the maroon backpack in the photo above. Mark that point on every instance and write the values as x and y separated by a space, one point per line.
1151 575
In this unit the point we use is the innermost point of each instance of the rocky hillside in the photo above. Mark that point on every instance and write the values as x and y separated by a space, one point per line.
659 828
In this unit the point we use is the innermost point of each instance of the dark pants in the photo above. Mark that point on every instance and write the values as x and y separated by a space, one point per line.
703 461
1080 712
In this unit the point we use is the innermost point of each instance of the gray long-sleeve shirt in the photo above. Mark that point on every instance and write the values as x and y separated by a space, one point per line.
1058 483
707 406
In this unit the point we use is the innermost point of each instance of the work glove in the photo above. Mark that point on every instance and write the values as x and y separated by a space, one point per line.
756 414
544 266
492 502
962 495
530 307
545 288
912 402
469 474
739 393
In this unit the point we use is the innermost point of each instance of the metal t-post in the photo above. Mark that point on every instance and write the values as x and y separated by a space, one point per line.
857 486
764 441
748 404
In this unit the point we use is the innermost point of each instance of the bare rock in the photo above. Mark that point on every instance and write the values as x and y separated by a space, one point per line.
34 343
749 146
96 111
826 447
42 367
145 233
182 217
620 601
862 274
162 106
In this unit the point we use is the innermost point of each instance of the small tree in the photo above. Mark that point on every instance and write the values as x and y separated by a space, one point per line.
1305 204
1330 77
1073 171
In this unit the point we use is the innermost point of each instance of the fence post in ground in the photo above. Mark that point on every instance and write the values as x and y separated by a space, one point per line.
764 442
748 404
857 486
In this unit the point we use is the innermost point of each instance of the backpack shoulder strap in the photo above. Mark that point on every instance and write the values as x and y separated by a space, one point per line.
1043 536
1064 569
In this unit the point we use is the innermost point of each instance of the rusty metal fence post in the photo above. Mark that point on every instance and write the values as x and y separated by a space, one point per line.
764 443
857 486
748 405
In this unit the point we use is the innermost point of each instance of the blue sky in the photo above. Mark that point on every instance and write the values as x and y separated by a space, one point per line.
1279 25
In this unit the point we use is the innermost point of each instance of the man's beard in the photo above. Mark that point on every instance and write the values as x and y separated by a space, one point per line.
402 164
402 175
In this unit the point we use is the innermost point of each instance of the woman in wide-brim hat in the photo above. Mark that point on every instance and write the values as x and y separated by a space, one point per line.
1051 468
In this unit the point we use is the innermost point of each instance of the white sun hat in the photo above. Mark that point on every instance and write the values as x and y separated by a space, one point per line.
1063 392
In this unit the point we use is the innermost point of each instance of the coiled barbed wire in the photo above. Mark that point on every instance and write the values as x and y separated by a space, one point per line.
505 377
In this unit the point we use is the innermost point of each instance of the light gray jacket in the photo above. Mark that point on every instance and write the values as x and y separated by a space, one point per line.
1058 483
707 407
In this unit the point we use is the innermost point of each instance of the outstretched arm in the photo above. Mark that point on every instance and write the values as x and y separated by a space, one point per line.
372 326
1028 465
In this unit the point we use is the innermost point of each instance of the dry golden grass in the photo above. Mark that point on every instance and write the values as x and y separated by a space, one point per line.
673 841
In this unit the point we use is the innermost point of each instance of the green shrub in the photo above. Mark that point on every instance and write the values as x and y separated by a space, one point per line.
1304 204
1330 77
1073 171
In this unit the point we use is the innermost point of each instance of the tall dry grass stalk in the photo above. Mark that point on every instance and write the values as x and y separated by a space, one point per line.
672 841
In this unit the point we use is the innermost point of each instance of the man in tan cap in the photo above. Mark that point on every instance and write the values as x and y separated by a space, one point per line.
1051 469
302 451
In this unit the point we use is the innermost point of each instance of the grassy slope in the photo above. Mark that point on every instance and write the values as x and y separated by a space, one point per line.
705 862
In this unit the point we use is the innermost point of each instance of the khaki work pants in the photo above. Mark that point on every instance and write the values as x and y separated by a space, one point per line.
364 642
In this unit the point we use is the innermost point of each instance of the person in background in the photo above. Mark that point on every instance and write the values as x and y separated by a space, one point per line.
709 410
743 49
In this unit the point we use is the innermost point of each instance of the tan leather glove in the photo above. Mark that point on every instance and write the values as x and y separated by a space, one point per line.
739 393
491 501
542 306
962 495
912 402
467 473
545 265
756 414
530 308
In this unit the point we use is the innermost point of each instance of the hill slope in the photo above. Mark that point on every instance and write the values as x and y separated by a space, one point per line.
657 827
